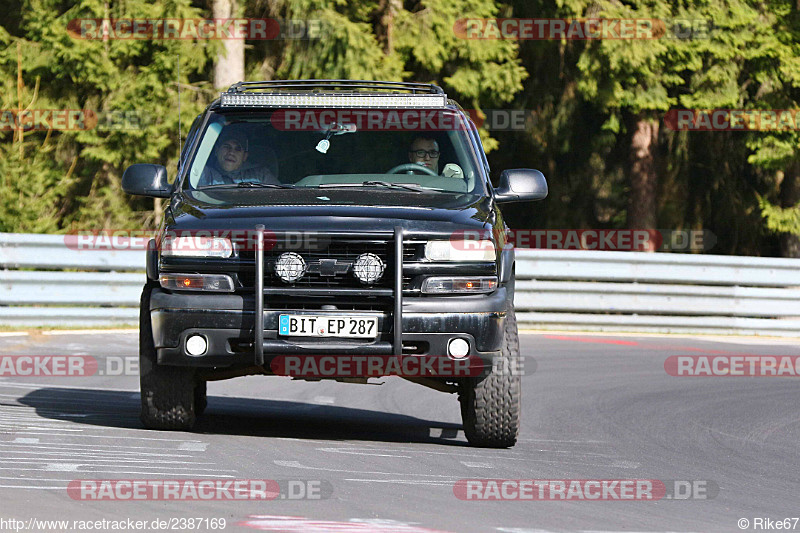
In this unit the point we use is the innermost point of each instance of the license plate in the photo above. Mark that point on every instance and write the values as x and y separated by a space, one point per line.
328 326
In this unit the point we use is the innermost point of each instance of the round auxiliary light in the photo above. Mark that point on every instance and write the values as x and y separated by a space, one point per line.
196 345
458 348
368 268
290 267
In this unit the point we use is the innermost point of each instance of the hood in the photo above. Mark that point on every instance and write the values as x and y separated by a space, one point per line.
328 210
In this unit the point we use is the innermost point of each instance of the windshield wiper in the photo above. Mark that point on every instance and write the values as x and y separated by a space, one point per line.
405 186
247 185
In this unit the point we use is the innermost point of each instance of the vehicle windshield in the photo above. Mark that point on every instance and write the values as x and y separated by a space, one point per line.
410 150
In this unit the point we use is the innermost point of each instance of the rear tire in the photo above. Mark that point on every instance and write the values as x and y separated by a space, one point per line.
168 392
490 405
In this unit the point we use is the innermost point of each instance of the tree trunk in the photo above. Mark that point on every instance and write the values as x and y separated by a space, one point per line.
643 174
790 197
384 23
229 65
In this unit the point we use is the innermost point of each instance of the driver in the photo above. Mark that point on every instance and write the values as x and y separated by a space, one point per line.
226 165
425 151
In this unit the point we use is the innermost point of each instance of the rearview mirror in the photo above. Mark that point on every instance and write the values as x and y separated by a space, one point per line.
521 185
146 180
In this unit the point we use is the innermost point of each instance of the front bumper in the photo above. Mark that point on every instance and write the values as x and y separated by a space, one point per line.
227 321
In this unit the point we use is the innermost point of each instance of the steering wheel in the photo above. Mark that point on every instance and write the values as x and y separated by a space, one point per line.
411 167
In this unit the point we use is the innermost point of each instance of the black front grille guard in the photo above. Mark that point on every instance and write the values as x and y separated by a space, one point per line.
397 290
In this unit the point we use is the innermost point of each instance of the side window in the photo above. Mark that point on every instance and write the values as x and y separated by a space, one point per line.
187 145
478 146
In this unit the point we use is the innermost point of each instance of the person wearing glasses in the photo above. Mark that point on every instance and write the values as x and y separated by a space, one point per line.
425 151
226 165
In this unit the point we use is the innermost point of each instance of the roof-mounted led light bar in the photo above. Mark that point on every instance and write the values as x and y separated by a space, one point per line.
372 101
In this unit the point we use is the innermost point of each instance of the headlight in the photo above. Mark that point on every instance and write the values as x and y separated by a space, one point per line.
459 285
196 246
460 250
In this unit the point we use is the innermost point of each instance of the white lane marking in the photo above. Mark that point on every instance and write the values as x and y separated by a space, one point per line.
299 524
356 452
32 487
532 530
23 410
96 469
558 440
109 453
35 420
326 400
30 429
21 442
163 473
407 481
89 331
444 433
29 385
526 530
116 437
306 441
471 464
430 452
89 427
62 467
193 446
621 464
16 478
57 399
88 461
297 464
14 334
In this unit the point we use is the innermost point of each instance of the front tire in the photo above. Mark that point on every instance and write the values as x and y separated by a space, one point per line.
168 393
200 397
490 405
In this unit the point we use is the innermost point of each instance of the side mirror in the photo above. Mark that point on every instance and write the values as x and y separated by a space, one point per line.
146 180
521 185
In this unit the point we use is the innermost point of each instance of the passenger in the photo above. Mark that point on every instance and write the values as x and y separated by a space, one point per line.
425 151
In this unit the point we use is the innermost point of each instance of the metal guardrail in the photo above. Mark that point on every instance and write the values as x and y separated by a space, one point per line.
47 283
667 293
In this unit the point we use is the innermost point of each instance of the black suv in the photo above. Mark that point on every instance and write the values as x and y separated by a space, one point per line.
347 220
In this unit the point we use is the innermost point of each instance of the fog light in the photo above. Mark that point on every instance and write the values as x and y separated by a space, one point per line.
368 268
196 345
290 267
458 348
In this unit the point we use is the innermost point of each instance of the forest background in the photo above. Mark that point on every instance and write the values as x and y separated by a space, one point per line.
595 109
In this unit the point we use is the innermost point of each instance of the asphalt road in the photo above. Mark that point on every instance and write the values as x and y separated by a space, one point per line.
385 458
